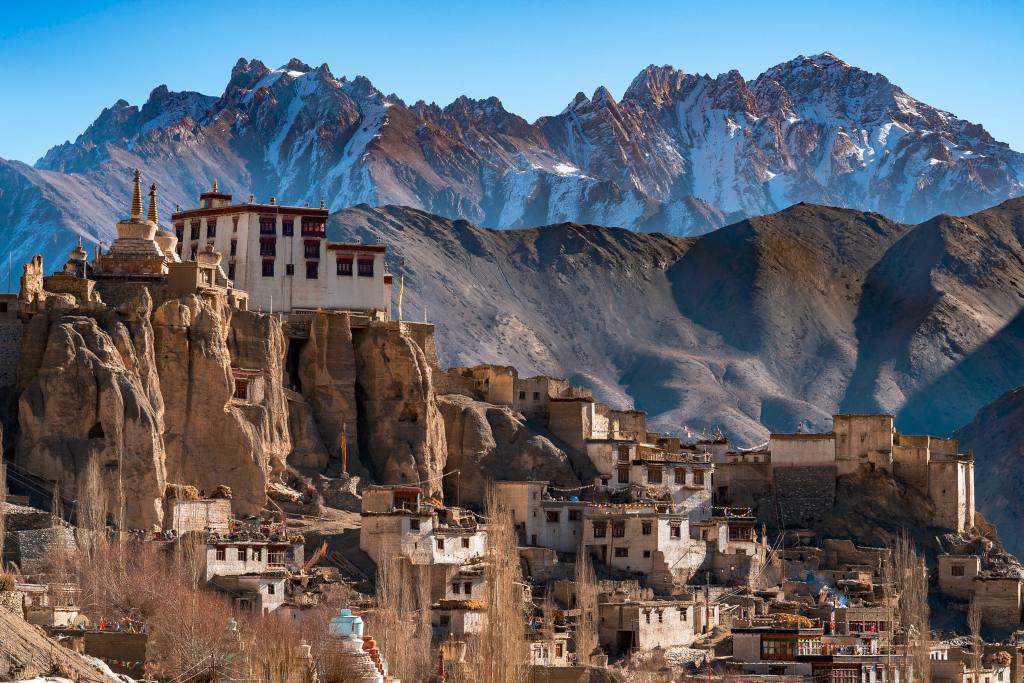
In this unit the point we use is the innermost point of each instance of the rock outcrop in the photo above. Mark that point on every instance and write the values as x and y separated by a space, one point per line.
213 437
486 441
327 374
401 431
85 402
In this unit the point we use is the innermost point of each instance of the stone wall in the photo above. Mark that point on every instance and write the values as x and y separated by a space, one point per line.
804 494
11 332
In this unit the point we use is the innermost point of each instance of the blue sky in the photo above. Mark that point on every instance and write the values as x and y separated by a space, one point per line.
62 62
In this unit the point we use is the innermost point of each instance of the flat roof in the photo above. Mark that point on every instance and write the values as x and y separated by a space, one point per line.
251 208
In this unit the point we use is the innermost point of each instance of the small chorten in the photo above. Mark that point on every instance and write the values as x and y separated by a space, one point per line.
78 261
166 239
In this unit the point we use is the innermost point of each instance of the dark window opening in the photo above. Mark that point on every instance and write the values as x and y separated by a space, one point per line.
288 228
289 269
365 267
211 228
268 247
231 271
345 266
268 225
312 249
268 267
312 270
313 227
96 431
234 247
194 230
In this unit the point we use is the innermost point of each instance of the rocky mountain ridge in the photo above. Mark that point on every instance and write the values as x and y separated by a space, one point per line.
679 153
773 323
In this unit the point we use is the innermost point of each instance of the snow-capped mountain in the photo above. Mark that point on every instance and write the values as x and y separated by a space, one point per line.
679 153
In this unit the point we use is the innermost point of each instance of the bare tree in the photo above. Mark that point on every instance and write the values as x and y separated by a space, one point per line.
974 624
503 641
400 622
912 579
586 601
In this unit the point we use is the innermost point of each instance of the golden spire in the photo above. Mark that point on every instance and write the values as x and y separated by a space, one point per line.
215 188
152 204
137 196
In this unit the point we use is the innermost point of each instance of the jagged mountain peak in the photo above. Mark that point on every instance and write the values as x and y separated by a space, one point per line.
679 153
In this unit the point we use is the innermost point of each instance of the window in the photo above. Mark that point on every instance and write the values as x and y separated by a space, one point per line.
647 617
3 307
622 552
271 589
268 267
661 617
536 396
194 229
312 249
446 619
600 529
645 528
195 250
234 247
414 525
268 225
288 227
313 227
653 475
682 613
179 231
257 554
211 227
241 393
275 557
680 475
455 588
956 570
698 477
574 515
522 394
465 543
623 473
440 543
467 588
222 553
552 516
618 529
345 266
312 270
268 246
289 269
234 224
674 530
647 553
366 267
558 649
623 453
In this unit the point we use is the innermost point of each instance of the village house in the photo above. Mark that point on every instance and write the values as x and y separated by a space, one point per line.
791 645
951 664
627 625
398 523
281 256
646 539
997 593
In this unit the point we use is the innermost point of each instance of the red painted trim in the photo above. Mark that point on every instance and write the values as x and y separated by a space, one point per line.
374 248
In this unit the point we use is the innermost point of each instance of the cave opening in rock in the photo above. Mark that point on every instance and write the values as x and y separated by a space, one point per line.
295 346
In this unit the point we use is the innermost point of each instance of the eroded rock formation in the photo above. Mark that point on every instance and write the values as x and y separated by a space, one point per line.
86 401
401 431
493 442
